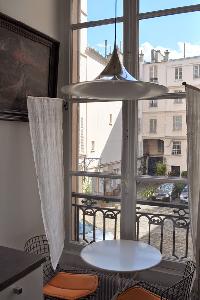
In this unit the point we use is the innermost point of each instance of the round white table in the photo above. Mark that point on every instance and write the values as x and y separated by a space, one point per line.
121 255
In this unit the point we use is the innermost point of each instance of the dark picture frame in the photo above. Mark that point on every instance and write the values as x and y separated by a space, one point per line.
28 67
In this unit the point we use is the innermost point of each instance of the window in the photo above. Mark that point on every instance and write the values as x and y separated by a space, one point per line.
153 150
154 5
152 161
139 125
176 148
92 146
178 73
196 71
152 125
178 101
82 136
153 103
177 122
153 74
175 170
102 123
110 119
160 146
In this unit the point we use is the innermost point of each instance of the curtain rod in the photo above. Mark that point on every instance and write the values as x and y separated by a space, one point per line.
190 86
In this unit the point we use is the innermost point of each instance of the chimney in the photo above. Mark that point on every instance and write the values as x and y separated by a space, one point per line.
141 56
158 56
166 56
152 55
106 44
184 50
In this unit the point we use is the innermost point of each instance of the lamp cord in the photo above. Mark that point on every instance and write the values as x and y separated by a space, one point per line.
115 24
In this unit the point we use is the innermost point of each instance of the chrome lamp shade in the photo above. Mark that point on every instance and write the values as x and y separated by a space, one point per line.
114 83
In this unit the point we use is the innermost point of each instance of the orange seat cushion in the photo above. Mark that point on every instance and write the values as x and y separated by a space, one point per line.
137 293
71 286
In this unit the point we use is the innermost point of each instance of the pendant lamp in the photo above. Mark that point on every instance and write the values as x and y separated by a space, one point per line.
114 83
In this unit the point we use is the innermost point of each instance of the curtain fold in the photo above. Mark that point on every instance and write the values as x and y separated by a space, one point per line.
46 121
193 136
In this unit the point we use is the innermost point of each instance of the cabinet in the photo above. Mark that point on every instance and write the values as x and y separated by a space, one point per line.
20 275
26 288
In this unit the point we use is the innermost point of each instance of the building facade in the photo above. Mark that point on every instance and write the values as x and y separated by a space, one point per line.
163 130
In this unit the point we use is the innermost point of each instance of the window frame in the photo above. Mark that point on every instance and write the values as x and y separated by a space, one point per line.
152 126
131 16
92 146
176 148
153 73
160 145
197 66
177 122
110 119
178 101
153 103
178 73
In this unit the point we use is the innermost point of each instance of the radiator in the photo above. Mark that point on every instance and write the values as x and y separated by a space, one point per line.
109 284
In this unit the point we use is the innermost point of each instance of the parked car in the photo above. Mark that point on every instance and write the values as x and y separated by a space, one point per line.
164 192
184 194
89 232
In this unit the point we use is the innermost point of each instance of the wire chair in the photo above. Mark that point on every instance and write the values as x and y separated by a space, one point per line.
182 289
39 245
178 291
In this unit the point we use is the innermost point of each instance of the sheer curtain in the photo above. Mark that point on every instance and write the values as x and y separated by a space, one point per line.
45 121
193 134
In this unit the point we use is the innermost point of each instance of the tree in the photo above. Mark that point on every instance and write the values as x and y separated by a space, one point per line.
161 168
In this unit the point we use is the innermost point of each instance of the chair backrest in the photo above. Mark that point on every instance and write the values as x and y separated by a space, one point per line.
182 289
39 245
137 293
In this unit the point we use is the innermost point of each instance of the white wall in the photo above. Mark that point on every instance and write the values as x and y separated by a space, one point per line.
20 214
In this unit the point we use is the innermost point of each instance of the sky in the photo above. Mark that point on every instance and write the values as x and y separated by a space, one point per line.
162 33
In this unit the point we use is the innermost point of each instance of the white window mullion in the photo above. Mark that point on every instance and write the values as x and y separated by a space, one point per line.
67 126
130 122
67 144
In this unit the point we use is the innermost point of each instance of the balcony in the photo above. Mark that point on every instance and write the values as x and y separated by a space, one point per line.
163 225
153 147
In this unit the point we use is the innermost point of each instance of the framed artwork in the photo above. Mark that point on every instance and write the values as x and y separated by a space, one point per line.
28 67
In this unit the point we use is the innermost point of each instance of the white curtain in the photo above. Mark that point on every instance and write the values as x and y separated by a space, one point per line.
193 134
45 121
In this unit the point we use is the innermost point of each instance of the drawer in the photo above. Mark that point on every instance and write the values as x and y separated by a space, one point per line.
30 287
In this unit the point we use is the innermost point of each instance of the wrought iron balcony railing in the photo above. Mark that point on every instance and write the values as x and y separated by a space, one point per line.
163 225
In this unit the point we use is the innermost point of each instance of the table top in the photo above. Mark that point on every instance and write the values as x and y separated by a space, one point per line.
121 255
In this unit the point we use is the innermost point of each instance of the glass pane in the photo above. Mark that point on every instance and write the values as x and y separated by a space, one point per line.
99 123
169 61
96 141
100 40
162 136
99 10
162 145
99 150
100 138
172 34
94 50
147 6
